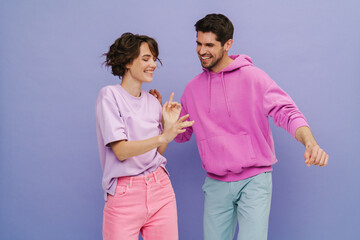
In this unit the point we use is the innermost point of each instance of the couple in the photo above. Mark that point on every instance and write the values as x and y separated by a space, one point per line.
226 106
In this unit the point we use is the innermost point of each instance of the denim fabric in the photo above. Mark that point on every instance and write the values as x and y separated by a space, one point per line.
246 202
144 204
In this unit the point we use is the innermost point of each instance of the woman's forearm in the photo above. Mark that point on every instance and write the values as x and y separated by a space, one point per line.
162 148
126 149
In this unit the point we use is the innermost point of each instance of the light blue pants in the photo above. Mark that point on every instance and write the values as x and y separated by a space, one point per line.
246 202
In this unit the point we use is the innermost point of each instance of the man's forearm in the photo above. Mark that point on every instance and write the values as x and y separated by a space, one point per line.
305 136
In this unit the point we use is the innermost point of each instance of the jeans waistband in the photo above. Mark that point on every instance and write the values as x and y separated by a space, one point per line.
154 176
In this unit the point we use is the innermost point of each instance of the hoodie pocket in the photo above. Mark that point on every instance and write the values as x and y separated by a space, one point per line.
227 153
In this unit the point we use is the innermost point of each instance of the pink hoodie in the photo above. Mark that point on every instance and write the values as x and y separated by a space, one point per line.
231 110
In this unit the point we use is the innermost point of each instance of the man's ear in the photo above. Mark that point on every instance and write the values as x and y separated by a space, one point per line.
228 44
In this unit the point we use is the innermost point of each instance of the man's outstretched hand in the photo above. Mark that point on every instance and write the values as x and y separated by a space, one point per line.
314 155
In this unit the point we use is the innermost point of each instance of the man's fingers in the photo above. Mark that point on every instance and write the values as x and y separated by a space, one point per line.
307 157
316 156
326 160
319 155
310 156
154 92
157 92
322 160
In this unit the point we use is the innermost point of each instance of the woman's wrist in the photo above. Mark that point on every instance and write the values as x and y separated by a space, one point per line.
163 139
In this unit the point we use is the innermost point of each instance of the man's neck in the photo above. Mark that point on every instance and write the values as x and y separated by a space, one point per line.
225 61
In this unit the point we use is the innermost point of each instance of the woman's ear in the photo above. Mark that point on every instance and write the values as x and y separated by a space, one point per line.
128 66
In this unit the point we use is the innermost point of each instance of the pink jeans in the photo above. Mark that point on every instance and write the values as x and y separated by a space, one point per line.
143 204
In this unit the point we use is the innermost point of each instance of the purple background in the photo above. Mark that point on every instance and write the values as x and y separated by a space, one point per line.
51 72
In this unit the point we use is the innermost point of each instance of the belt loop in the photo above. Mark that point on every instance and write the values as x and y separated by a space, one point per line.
131 180
156 179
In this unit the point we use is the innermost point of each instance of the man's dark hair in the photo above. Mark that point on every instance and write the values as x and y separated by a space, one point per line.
125 49
218 24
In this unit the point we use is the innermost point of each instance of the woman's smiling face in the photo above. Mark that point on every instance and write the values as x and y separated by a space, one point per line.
142 68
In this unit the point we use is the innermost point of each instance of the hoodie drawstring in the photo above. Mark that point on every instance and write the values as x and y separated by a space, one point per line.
209 87
224 91
225 95
239 62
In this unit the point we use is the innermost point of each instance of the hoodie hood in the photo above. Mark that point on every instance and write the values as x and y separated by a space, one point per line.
239 61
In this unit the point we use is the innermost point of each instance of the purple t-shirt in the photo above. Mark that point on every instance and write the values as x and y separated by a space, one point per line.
119 115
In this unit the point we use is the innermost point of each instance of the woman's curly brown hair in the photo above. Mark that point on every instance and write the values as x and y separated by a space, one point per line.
125 49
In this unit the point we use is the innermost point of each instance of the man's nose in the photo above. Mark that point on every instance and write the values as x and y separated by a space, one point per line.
202 50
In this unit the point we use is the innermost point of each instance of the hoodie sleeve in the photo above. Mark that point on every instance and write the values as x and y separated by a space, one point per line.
279 105
185 136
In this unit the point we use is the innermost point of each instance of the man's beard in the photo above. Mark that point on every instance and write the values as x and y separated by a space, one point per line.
213 64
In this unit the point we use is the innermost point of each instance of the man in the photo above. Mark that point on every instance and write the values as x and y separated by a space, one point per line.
230 102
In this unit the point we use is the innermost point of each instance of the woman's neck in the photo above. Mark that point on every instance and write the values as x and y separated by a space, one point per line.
131 86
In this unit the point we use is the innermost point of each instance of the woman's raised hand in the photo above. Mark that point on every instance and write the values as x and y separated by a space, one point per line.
171 110
173 125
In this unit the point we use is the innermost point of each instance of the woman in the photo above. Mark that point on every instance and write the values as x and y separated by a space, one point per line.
131 140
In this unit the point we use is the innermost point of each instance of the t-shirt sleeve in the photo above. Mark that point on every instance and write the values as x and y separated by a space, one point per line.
109 119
